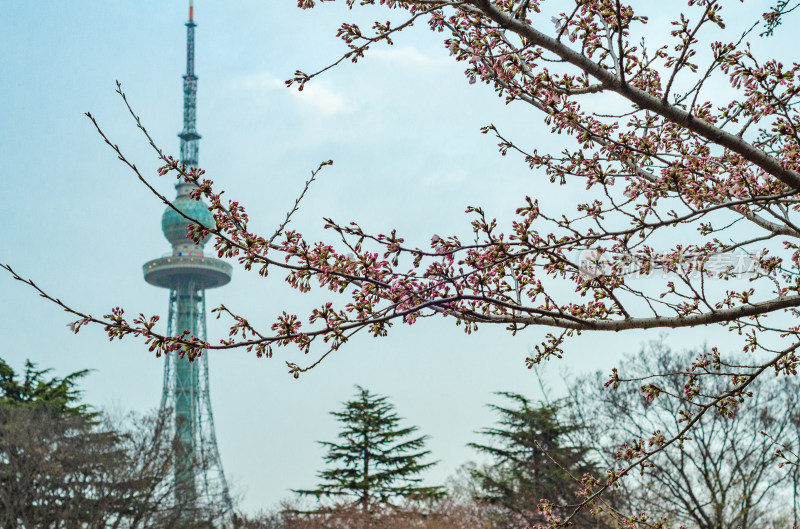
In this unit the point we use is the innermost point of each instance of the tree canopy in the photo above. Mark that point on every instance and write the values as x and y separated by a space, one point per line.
59 395
534 455
65 465
727 473
376 461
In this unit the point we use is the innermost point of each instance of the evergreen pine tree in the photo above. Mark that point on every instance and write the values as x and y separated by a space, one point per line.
63 464
375 461
532 458
59 396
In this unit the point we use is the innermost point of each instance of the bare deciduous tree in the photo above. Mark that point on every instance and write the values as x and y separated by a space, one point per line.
63 465
726 473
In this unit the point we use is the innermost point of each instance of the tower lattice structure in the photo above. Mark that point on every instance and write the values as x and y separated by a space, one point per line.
200 489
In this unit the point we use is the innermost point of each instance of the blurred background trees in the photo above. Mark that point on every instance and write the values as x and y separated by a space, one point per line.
533 454
726 472
63 464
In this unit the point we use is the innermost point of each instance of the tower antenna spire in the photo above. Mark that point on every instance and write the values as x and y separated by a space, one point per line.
200 491
190 139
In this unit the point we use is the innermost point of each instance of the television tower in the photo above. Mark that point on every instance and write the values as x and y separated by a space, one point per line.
200 490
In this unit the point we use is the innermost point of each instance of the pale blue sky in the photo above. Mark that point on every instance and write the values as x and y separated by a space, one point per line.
403 130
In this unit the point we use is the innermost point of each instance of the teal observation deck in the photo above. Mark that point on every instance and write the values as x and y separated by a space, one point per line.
174 271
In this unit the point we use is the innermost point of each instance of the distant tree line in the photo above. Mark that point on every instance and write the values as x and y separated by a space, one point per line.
727 472
66 465
537 458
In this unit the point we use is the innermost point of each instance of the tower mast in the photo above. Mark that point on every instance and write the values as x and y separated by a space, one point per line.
190 139
200 491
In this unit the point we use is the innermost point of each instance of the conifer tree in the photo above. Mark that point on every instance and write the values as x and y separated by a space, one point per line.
33 390
533 457
65 465
375 461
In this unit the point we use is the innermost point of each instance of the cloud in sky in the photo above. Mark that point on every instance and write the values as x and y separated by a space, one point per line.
321 97
317 97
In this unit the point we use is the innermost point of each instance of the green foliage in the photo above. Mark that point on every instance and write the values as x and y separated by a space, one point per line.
58 395
533 458
63 465
375 461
